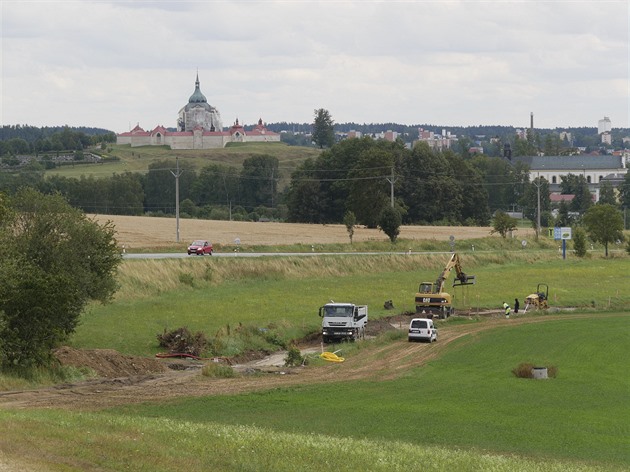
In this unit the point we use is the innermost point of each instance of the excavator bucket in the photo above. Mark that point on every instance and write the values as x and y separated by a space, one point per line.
464 280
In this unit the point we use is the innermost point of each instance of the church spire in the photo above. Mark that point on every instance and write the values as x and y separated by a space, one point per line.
197 96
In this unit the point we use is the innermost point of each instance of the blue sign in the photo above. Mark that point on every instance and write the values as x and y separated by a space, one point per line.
562 233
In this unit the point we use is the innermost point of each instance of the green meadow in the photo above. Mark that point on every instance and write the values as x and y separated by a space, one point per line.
282 294
466 399
464 410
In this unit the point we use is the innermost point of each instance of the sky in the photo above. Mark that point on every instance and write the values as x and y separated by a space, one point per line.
116 64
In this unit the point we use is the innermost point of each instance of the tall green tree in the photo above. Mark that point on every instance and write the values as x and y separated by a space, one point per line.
529 200
369 188
53 261
505 183
350 221
323 132
604 224
305 200
160 191
259 181
428 187
624 191
572 184
469 180
126 194
320 188
216 184
563 218
607 194
525 147
503 224
389 222
552 145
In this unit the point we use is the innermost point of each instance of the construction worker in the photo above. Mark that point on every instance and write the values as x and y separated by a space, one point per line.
506 307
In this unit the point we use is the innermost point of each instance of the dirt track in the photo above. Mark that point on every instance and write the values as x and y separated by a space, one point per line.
383 362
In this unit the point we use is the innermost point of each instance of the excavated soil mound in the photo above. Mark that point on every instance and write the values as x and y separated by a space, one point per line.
109 363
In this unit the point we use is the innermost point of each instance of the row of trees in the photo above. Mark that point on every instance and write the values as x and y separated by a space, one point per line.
250 192
30 140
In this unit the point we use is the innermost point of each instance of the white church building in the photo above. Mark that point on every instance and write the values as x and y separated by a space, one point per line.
199 126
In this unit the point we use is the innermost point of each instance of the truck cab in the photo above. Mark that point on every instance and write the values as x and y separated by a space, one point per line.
343 321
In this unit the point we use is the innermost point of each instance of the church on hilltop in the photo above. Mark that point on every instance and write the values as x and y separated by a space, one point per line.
199 126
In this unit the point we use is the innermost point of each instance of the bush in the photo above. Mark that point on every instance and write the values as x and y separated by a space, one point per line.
524 371
579 242
216 370
294 358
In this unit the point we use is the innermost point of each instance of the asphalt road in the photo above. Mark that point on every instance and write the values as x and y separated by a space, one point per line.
176 255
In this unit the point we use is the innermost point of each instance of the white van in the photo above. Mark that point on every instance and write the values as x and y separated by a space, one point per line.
422 329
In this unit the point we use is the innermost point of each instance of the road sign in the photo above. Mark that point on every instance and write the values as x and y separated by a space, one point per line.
562 233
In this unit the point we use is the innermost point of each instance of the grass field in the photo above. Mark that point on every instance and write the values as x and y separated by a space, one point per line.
466 399
208 294
464 411
459 409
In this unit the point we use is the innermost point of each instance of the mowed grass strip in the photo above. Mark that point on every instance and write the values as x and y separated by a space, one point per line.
209 295
466 399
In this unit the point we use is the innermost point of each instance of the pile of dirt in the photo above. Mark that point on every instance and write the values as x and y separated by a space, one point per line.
108 363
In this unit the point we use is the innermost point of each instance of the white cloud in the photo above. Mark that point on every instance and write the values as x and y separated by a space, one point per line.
111 64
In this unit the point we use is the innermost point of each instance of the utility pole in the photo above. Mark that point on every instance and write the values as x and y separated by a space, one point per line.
176 174
392 181
272 187
538 183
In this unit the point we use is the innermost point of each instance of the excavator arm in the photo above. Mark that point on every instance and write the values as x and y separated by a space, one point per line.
461 278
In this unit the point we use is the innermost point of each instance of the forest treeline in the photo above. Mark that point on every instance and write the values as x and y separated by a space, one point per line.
21 140
359 175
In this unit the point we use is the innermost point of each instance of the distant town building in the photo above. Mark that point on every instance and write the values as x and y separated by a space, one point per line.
199 126
595 169
436 141
390 135
604 126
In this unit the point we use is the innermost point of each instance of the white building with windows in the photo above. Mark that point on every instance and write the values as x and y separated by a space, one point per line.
595 169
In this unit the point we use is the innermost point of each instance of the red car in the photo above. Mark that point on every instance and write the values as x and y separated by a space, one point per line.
200 247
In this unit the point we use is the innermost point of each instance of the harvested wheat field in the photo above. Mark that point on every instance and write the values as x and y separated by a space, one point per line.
147 232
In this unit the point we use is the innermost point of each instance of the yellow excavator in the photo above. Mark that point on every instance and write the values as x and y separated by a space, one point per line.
432 300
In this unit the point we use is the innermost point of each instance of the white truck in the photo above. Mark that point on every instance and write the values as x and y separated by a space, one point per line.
343 321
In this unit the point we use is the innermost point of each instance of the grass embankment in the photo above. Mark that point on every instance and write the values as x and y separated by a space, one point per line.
464 411
282 295
138 159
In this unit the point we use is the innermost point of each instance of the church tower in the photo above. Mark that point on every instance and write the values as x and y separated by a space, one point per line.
198 113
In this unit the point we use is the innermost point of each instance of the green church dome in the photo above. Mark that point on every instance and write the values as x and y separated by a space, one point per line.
197 96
